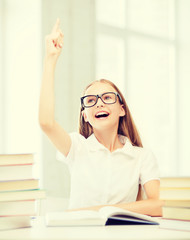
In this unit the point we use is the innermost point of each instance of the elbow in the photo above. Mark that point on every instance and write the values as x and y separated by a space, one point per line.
46 126
157 208
160 205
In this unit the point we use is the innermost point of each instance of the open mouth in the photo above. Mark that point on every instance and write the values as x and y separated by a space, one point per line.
102 115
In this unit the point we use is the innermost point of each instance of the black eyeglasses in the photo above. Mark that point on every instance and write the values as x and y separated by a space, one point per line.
107 98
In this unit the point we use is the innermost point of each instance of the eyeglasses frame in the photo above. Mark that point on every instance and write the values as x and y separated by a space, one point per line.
100 96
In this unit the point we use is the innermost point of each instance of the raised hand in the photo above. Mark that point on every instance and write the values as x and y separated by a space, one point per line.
54 41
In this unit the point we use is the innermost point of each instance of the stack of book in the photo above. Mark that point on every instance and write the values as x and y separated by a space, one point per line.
175 191
19 191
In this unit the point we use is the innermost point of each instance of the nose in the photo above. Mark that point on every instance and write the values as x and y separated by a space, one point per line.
99 103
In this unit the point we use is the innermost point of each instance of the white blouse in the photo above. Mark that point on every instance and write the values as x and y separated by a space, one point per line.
100 177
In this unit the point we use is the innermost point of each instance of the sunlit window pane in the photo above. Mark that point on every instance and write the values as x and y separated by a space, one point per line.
111 12
110 59
155 17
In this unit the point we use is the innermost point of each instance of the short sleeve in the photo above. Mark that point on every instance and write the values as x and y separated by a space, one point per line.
75 143
149 168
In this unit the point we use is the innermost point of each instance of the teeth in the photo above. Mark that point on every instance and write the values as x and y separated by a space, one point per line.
102 114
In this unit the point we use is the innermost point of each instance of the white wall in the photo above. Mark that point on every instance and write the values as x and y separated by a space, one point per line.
1 77
20 74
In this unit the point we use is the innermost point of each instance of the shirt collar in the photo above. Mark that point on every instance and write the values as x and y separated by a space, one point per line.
127 149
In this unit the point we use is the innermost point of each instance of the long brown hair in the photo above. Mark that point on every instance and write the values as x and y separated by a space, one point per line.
126 124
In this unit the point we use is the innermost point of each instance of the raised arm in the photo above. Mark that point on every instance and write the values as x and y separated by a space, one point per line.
59 137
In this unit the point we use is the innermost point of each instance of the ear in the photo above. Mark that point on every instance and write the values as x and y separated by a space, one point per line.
84 116
122 111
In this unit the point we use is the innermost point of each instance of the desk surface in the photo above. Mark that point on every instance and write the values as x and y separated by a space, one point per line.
39 231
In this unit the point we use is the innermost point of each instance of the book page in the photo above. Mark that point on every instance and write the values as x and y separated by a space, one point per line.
74 215
114 211
75 218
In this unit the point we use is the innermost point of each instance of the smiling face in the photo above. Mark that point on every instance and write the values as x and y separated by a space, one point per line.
103 116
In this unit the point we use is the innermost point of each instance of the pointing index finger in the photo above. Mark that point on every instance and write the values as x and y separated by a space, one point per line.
56 26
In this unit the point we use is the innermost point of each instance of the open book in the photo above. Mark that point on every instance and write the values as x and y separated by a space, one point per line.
105 216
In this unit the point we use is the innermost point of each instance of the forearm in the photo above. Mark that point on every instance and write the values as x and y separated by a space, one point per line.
151 207
46 106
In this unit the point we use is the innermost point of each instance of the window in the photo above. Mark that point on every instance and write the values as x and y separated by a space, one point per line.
137 47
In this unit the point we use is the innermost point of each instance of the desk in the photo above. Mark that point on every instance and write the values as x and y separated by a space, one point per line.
40 232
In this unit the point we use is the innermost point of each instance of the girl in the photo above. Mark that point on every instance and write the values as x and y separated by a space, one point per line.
106 158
